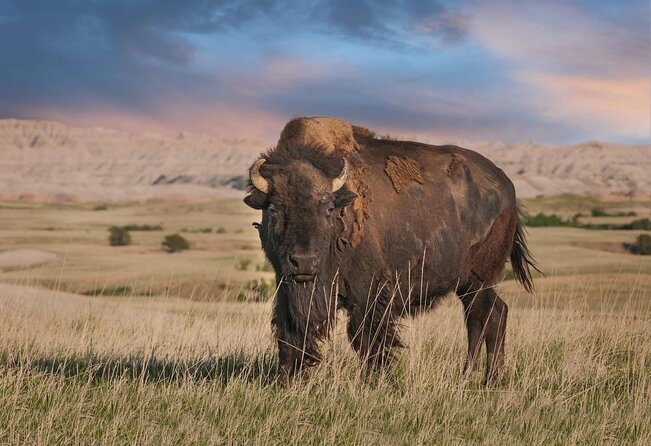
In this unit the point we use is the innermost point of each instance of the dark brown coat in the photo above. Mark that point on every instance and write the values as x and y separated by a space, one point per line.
412 223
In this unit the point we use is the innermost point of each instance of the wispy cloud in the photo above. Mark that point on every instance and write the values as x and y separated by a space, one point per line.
551 71
605 107
585 66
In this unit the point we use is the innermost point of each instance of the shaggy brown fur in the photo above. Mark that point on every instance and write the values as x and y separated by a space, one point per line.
381 255
319 131
334 136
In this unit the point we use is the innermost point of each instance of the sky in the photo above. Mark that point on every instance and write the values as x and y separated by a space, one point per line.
482 70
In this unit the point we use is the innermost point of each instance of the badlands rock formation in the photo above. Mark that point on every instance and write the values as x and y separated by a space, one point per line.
49 161
590 168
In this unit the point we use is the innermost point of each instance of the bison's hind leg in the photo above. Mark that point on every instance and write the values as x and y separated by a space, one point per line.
485 315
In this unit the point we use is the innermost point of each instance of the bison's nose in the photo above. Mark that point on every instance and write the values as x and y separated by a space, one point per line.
304 263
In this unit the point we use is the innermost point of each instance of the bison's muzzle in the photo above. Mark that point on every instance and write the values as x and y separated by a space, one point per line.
303 266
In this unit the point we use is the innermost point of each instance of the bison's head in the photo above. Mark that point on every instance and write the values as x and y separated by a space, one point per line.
300 203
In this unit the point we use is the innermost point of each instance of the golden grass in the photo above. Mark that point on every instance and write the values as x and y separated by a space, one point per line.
136 370
154 368
78 235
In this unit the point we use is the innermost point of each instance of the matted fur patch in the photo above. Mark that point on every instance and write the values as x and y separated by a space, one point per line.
403 172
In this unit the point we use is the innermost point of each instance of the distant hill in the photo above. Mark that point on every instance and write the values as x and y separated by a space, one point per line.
50 161
590 168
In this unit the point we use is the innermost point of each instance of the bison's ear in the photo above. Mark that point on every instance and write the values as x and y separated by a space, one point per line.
256 200
344 197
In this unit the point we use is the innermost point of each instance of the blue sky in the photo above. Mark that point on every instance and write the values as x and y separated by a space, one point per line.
552 71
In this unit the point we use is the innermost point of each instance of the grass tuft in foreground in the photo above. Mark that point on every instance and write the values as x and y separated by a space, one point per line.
139 370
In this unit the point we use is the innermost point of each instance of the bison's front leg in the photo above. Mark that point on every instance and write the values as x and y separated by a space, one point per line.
299 332
373 332
290 358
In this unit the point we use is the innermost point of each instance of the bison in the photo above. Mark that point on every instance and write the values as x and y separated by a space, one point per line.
382 229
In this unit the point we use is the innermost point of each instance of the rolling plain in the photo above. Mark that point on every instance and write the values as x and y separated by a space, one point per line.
111 345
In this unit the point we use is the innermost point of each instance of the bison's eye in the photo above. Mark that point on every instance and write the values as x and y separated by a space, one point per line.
330 210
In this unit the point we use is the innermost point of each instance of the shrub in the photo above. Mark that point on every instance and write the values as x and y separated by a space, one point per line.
266 267
260 290
545 220
143 227
642 223
243 264
175 243
220 230
598 212
642 245
126 290
119 236
206 230
101 207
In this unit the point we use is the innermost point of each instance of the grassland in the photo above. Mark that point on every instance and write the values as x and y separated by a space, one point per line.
174 359
78 235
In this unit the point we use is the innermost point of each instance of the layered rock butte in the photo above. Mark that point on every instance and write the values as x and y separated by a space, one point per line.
55 162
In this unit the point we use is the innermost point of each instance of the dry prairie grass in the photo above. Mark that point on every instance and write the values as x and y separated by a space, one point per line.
133 370
163 370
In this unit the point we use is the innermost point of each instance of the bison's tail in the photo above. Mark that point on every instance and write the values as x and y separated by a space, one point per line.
522 261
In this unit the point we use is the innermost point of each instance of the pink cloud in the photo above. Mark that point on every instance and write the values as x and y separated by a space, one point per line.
581 69
277 73
620 105
228 120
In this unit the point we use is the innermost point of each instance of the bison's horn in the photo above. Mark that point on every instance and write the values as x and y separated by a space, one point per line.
256 178
338 182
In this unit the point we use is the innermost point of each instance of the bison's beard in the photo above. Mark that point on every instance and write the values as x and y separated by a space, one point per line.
312 304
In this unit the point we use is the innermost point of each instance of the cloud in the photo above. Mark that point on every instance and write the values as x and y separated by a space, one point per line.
137 55
618 106
483 70
393 22
584 65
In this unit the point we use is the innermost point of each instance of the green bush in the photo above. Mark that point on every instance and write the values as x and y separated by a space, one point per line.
266 267
206 230
175 243
554 220
260 290
126 290
642 245
243 264
119 236
598 212
545 220
133 227
642 223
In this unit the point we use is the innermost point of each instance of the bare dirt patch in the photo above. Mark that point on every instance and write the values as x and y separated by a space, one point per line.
25 258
